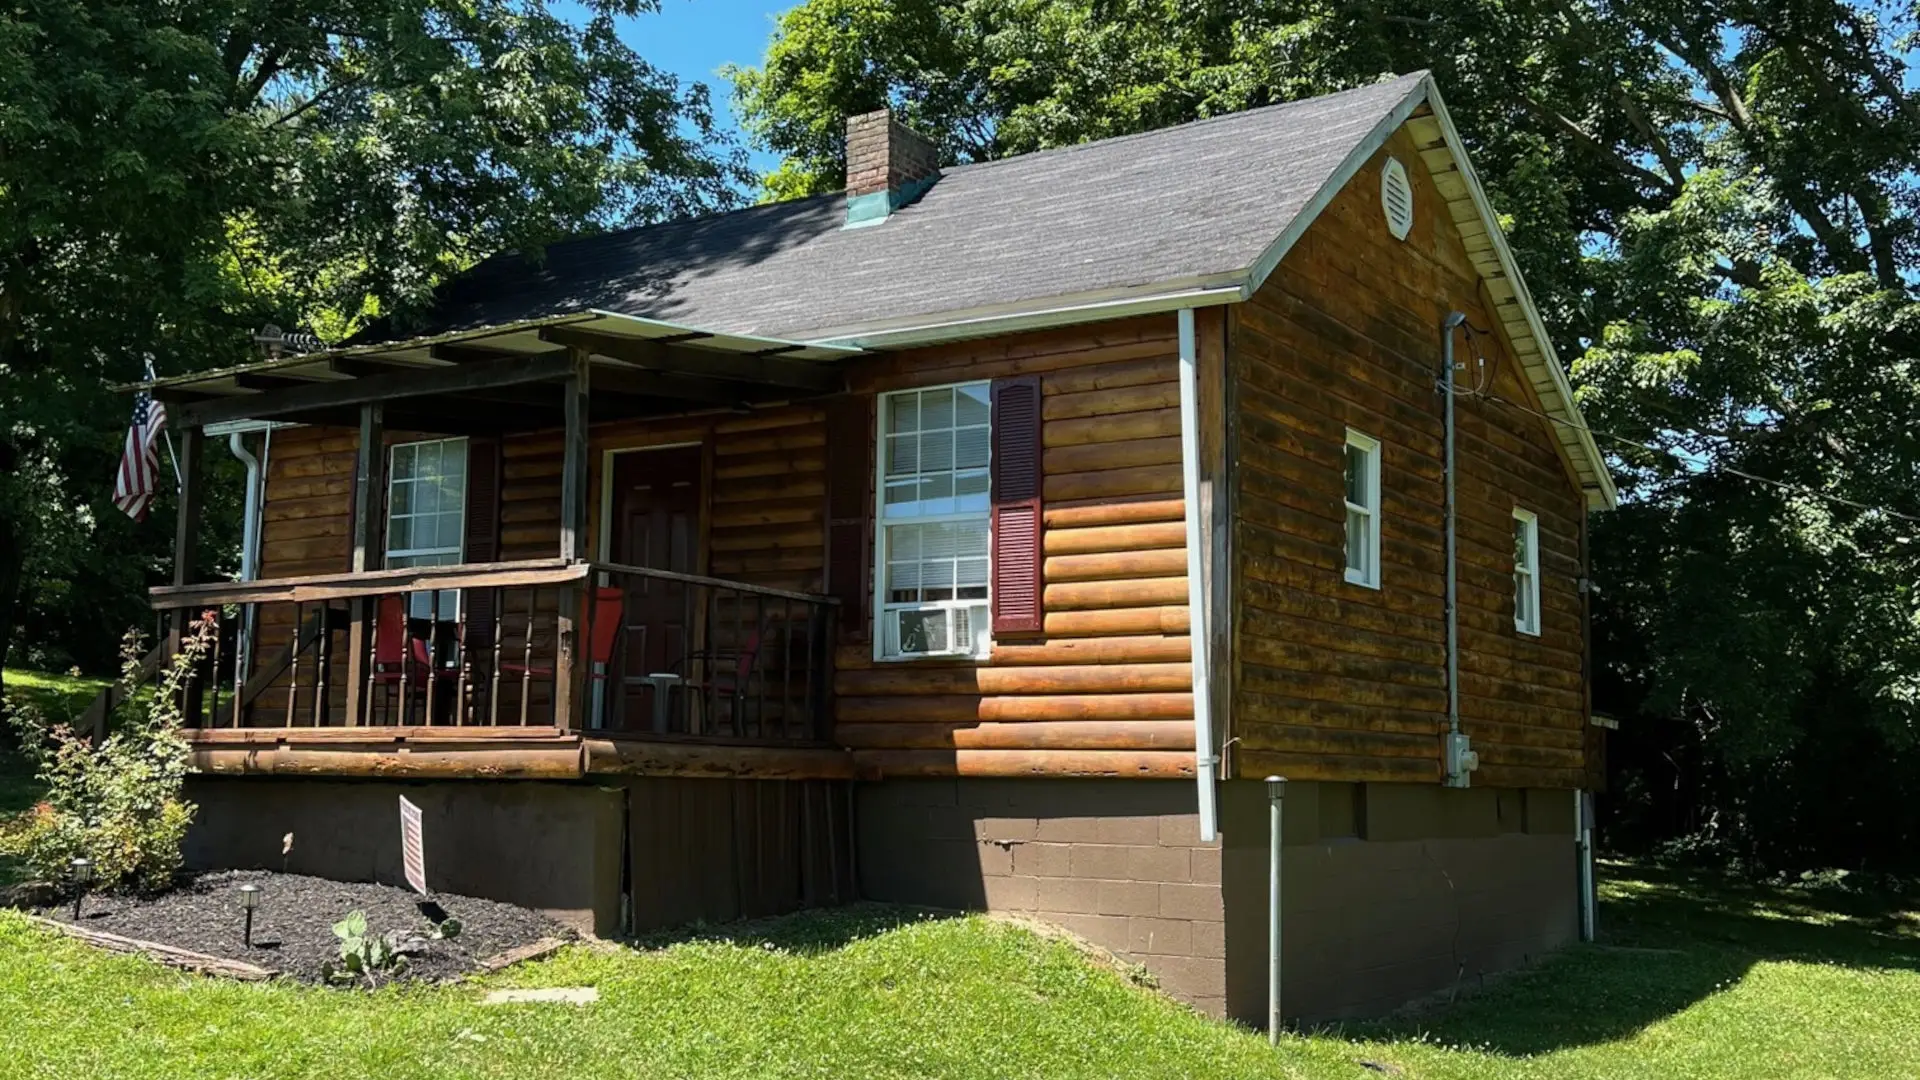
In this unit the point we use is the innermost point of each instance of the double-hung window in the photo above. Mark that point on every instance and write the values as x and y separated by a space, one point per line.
1363 509
1526 572
934 522
426 515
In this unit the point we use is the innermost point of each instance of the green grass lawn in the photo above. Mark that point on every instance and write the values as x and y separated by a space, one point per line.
1697 979
61 698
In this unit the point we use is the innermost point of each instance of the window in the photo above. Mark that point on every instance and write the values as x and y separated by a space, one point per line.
934 522
1526 572
426 515
1363 510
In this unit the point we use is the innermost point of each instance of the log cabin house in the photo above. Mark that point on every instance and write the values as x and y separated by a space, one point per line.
981 537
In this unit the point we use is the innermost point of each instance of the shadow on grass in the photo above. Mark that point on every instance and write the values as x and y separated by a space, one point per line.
1668 939
815 930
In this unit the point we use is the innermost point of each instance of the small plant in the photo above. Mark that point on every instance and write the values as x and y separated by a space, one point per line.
119 804
364 956
367 957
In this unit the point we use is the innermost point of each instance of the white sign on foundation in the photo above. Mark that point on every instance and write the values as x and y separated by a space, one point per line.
413 852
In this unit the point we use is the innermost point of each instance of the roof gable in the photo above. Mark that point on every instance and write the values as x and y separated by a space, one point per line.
1101 221
1184 216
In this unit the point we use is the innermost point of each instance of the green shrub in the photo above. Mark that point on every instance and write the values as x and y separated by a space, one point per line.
120 803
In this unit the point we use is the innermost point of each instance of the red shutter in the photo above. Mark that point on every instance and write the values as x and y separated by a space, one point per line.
849 510
1016 506
482 538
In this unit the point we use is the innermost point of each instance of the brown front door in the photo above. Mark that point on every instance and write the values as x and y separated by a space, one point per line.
656 523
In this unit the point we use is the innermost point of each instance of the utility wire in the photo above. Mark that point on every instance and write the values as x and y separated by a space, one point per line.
1487 373
1782 485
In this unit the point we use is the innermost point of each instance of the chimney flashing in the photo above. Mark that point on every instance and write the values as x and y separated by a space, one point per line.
888 166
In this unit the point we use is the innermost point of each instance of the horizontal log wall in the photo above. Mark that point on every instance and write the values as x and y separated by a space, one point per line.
306 528
764 526
1106 689
1334 681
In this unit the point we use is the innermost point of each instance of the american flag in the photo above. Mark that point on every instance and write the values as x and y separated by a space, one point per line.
133 485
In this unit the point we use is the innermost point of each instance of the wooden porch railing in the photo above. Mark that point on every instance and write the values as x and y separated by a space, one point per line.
541 643
706 658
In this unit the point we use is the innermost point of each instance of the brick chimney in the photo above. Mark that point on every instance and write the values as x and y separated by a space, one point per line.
888 166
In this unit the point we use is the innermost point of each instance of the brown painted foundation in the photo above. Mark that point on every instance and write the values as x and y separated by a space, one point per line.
1394 892
631 854
1118 862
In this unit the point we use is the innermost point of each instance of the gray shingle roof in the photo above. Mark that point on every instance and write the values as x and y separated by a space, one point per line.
1181 203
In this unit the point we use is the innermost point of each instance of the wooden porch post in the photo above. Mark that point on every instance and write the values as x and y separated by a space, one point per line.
571 669
369 500
186 545
186 532
573 476
186 536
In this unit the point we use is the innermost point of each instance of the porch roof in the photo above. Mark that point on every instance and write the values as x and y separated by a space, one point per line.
507 377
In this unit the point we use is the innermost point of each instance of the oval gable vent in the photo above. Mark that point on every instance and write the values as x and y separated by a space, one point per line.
1396 195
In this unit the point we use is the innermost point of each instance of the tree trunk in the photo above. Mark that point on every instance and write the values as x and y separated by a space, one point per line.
13 558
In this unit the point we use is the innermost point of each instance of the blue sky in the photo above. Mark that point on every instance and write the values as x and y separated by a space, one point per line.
695 38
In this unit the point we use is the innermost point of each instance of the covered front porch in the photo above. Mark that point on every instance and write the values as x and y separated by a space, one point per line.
406 622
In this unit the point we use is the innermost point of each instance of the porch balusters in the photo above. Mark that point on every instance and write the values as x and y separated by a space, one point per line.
499 632
465 667
526 663
293 666
745 653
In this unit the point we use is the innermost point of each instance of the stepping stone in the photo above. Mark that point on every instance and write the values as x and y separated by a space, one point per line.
558 995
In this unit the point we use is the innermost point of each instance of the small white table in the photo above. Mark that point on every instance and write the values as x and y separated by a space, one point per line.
663 684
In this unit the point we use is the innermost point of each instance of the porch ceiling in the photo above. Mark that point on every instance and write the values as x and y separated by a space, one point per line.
508 377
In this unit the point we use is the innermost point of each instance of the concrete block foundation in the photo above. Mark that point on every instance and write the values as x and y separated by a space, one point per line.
1393 891
1118 862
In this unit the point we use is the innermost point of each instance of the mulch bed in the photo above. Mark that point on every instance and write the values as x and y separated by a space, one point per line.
293 925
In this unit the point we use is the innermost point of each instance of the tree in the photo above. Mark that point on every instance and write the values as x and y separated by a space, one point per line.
173 175
1716 203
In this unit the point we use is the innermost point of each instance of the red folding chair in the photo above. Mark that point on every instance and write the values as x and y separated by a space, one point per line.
609 604
398 656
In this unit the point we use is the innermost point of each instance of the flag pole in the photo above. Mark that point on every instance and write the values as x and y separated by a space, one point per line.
179 485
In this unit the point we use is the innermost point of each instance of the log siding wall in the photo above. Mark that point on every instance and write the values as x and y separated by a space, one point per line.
1105 689
1324 680
1334 681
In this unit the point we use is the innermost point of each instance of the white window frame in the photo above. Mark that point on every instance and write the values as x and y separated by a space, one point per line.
882 610
1526 575
447 602
1369 576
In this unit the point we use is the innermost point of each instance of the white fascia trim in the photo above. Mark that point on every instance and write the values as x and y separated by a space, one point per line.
1608 496
243 427
1169 296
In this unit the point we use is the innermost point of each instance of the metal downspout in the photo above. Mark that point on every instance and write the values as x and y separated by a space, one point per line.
249 549
1205 759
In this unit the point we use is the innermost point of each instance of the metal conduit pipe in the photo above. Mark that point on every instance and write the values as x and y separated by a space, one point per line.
1276 819
1459 758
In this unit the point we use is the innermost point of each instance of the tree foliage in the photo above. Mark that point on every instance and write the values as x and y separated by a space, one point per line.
1715 201
173 175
